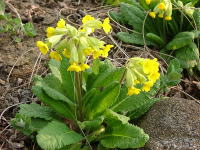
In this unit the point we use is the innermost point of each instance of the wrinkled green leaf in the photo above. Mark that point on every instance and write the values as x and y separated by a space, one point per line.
124 136
56 135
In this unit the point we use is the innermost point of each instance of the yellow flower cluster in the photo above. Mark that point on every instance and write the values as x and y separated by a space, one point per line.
163 9
76 44
141 74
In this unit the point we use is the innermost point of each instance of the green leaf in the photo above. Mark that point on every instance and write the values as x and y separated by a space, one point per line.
134 16
106 69
180 40
59 106
67 79
30 30
124 136
104 99
95 66
133 38
196 16
55 68
36 111
92 124
56 95
52 92
27 125
173 75
132 103
112 116
188 54
56 135
155 39
107 77
89 96
142 109
59 70
76 146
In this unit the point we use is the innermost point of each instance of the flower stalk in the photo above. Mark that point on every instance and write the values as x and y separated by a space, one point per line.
78 87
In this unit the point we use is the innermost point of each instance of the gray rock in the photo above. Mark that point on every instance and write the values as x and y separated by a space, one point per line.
173 124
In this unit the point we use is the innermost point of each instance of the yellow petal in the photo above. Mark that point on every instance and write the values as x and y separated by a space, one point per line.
161 6
61 23
168 18
50 31
133 90
55 55
152 14
42 47
74 67
84 67
87 18
148 2
106 25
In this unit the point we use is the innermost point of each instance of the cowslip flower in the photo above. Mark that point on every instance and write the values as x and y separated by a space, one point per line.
163 9
133 90
50 31
84 67
55 55
141 74
74 67
161 6
152 14
148 2
61 23
76 44
104 52
42 47
87 18
106 25
168 18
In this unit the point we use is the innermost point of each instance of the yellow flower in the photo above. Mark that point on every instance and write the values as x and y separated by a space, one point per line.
133 90
50 31
42 47
154 76
147 86
74 67
168 18
66 53
152 14
161 6
136 82
106 49
61 23
87 18
88 51
106 25
84 67
96 54
148 2
150 66
55 55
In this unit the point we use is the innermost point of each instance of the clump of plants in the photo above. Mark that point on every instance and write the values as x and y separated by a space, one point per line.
14 26
86 101
172 27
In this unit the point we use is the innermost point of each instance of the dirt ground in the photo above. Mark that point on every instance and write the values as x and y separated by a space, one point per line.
19 61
